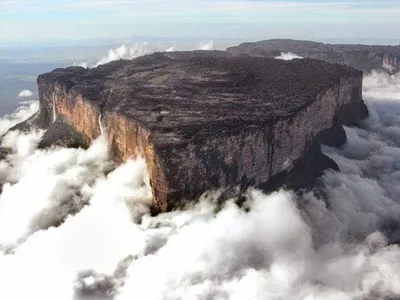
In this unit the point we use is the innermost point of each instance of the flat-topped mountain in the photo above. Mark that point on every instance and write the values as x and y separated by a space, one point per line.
205 119
363 57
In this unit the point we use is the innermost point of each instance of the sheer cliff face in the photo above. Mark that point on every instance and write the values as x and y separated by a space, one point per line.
391 62
205 120
362 57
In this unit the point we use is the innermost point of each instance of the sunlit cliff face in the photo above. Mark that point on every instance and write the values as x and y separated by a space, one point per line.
75 226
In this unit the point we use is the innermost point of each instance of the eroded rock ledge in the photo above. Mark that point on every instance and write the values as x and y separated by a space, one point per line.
205 119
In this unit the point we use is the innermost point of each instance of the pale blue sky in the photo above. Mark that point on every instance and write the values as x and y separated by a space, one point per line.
81 19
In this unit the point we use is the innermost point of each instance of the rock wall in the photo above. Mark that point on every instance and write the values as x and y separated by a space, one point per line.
252 156
230 154
391 62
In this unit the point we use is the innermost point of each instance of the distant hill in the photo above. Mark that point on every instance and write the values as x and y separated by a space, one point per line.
362 57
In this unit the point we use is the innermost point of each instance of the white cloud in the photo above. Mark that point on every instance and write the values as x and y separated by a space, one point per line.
287 56
25 93
21 114
143 48
382 86
138 49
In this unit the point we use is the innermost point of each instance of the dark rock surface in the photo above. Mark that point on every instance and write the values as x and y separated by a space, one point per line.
303 172
63 135
206 119
363 57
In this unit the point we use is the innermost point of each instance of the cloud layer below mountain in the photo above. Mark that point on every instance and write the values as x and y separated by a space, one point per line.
74 226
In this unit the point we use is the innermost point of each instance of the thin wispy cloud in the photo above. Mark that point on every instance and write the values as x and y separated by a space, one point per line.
205 5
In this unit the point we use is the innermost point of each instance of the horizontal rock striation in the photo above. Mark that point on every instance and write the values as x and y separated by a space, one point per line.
362 57
206 119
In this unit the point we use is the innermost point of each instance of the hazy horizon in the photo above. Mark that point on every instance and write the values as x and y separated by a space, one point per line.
66 21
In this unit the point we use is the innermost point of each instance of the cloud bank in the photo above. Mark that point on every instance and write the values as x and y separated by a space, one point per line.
86 233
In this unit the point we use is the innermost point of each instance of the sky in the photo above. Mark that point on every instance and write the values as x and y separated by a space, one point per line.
93 19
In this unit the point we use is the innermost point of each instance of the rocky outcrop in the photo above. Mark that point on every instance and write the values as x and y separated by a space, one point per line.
206 119
362 57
